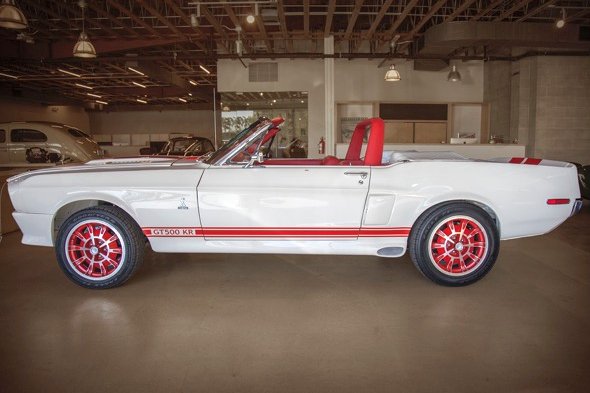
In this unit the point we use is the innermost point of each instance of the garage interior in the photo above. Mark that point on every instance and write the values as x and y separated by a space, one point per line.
482 78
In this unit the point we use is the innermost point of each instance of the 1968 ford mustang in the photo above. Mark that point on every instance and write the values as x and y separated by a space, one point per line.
448 211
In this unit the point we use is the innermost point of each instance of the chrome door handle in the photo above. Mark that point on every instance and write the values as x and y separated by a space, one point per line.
363 175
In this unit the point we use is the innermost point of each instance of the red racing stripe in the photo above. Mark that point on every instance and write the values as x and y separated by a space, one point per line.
278 232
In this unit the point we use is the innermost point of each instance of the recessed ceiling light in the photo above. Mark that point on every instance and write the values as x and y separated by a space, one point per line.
192 82
136 71
93 95
102 102
8 76
142 101
204 69
69 72
138 84
83 86
181 99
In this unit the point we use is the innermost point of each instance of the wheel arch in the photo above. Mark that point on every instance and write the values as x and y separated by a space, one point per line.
71 207
483 206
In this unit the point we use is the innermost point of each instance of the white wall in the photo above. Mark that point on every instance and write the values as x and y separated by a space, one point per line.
19 110
361 80
355 80
198 122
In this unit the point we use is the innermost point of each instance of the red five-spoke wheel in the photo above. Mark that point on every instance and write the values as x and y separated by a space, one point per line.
95 249
458 245
99 247
454 243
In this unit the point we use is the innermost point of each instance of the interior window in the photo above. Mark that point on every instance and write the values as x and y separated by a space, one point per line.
2 136
77 133
27 135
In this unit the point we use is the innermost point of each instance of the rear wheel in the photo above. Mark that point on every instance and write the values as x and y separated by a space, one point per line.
99 247
454 244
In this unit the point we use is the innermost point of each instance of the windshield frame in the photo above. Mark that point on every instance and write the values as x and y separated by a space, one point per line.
238 142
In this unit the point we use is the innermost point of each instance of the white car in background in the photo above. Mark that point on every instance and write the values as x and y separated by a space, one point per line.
39 142
448 211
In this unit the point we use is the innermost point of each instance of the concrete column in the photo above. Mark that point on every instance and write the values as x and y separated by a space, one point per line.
329 115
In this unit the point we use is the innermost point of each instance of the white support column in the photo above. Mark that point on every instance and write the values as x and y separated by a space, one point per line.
329 130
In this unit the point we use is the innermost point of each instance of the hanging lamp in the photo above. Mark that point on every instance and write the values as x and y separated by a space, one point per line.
11 17
454 75
84 47
392 75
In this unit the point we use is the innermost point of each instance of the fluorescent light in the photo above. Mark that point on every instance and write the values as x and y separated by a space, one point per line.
181 99
138 84
8 76
142 101
192 82
204 69
69 72
93 95
102 102
190 94
136 71
83 86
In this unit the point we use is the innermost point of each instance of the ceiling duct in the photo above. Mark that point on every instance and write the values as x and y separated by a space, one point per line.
443 40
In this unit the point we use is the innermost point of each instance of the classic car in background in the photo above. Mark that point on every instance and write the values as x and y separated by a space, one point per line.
448 211
187 146
38 142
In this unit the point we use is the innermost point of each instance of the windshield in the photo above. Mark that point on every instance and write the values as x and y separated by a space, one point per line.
236 140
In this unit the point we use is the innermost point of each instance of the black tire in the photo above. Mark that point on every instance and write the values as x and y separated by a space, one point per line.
99 247
451 257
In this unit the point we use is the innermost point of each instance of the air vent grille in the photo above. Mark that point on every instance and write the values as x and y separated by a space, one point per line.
263 72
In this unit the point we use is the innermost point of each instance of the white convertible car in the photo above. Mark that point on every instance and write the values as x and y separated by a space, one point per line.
449 211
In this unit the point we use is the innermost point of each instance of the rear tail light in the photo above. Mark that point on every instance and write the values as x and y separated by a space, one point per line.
558 201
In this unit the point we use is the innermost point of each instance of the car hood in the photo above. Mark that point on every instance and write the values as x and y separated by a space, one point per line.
114 165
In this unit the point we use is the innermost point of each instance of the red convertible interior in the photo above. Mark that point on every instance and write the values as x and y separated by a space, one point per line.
353 155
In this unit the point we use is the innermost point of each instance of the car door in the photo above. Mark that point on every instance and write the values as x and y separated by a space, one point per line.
282 202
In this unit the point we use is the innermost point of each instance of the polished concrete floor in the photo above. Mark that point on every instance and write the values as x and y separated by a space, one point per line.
268 323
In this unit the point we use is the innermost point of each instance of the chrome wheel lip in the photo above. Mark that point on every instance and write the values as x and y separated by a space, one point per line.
110 227
445 220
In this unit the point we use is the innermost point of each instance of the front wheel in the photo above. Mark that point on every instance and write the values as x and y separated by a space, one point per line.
99 247
455 244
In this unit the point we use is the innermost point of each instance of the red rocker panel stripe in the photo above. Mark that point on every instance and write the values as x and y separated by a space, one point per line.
282 232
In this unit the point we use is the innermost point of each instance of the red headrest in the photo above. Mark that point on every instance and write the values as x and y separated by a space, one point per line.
374 145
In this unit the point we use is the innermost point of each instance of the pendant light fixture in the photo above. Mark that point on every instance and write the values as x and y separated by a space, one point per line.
561 21
454 75
392 75
84 47
11 17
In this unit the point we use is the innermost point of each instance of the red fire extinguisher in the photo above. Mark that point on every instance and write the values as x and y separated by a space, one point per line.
322 146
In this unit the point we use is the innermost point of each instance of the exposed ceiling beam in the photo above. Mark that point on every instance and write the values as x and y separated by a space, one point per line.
283 25
101 12
352 20
486 10
262 29
237 24
172 4
135 18
306 17
377 21
329 18
535 11
512 10
216 25
459 10
156 72
396 24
